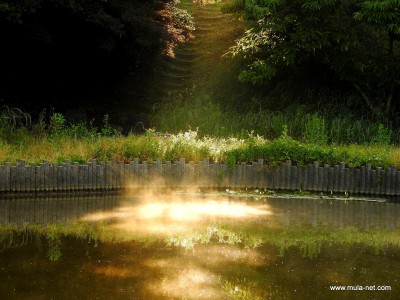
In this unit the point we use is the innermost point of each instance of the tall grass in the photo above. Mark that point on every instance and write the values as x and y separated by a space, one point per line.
229 137
328 126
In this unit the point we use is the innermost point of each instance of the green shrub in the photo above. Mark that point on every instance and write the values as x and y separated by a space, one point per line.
315 130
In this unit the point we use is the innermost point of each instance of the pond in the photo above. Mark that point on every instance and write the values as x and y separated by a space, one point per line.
183 245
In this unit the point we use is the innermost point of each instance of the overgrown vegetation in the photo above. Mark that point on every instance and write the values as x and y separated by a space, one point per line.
57 141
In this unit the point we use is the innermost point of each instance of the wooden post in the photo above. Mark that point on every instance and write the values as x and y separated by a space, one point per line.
3 175
357 180
372 182
368 180
145 174
67 175
397 183
200 172
107 176
249 175
118 175
167 174
310 177
90 182
329 179
363 173
215 175
13 178
125 175
392 182
342 182
260 174
158 171
75 176
190 173
207 172
380 180
294 180
53 177
388 183
81 177
136 177
102 176
59 175
23 176
287 175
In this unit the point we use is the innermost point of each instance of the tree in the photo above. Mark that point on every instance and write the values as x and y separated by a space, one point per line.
357 40
68 51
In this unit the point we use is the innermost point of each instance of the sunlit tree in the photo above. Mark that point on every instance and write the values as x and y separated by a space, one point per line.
357 40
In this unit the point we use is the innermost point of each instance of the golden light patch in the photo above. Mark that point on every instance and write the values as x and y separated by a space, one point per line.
112 271
173 214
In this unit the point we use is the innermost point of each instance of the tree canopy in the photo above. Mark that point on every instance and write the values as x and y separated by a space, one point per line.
69 50
358 41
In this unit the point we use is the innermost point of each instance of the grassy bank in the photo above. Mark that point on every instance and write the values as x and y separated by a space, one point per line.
56 142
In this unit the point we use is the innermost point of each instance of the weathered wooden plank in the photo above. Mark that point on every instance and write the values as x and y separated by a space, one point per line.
13 178
190 174
389 184
315 176
287 175
342 179
294 182
362 180
167 174
119 175
357 180
22 176
136 173
373 182
379 180
3 175
53 177
145 174
397 183
368 179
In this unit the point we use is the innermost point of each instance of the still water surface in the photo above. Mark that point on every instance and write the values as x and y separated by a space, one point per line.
198 246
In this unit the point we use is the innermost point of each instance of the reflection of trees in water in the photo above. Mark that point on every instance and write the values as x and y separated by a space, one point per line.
339 213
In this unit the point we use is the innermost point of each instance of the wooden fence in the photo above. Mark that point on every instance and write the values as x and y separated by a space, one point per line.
45 177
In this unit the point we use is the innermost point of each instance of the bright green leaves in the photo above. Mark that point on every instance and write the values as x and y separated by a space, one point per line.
381 12
259 72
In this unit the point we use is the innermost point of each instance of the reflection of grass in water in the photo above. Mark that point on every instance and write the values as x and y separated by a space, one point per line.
308 240
244 290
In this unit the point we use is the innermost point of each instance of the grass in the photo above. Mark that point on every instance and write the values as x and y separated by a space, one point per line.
330 125
171 147
57 141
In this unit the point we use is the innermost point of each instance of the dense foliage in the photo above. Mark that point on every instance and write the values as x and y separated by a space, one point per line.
355 41
62 52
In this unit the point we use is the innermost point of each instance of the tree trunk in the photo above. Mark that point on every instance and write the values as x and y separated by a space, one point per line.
373 109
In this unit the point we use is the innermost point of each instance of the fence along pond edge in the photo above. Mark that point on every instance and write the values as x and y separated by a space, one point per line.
102 176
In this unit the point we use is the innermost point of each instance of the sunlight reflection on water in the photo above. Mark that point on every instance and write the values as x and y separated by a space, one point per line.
157 214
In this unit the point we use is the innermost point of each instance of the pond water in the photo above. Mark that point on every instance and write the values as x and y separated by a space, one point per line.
198 246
